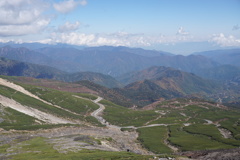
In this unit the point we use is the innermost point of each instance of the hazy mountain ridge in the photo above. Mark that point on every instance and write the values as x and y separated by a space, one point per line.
113 61
24 55
138 51
227 56
221 73
15 68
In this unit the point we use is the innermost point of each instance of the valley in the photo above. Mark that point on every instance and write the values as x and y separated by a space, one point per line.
108 129
119 80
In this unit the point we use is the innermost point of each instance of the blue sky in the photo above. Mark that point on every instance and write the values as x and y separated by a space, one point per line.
178 26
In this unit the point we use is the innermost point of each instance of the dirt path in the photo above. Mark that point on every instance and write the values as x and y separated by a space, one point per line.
99 111
175 149
101 108
153 120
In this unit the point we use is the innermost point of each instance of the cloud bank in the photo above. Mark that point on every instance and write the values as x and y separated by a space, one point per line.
68 5
113 39
225 41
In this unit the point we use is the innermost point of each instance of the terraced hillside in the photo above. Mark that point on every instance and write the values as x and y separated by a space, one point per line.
38 122
192 125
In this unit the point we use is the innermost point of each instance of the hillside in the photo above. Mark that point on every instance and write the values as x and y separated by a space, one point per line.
113 95
164 82
16 68
145 92
98 78
76 87
85 126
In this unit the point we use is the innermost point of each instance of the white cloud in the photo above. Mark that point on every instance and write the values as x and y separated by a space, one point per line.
68 5
225 41
20 11
182 32
113 39
20 17
68 27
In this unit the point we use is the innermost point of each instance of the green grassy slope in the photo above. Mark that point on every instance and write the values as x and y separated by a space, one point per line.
122 116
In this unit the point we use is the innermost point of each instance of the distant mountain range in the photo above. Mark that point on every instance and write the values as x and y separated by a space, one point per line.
113 61
147 75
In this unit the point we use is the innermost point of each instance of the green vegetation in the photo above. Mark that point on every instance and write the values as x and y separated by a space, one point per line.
3 148
64 99
34 103
233 125
39 148
212 113
176 113
153 138
85 95
112 95
19 121
93 121
170 117
122 116
189 142
14 117
127 129
211 131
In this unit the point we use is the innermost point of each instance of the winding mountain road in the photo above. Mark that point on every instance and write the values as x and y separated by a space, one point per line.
97 114
99 111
